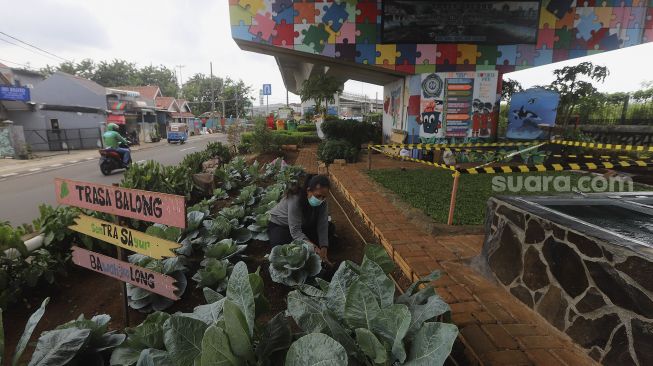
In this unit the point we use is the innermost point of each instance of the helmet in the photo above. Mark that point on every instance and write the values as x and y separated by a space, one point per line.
112 127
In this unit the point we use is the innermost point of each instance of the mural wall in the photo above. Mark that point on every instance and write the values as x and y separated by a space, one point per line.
393 107
530 109
451 105
351 30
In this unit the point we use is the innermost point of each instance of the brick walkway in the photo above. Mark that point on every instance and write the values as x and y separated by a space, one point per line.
496 328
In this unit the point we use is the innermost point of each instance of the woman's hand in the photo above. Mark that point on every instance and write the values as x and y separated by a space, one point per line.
323 253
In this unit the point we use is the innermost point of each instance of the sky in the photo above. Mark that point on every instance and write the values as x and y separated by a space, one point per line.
194 33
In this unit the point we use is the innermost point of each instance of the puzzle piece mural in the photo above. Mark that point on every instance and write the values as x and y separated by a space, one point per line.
354 28
352 31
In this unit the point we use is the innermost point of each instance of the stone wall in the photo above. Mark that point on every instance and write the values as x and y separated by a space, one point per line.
598 293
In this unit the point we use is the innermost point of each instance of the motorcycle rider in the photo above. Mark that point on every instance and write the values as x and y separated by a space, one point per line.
112 140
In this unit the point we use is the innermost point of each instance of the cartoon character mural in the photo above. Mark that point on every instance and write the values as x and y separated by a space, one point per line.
430 119
529 110
461 105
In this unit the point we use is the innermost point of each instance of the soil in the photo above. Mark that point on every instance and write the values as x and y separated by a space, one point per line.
89 293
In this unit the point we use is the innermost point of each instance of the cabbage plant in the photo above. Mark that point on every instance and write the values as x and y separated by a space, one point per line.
214 274
293 263
358 310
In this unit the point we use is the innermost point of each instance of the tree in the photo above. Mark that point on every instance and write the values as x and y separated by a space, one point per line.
116 73
160 75
200 89
84 68
510 87
320 88
572 89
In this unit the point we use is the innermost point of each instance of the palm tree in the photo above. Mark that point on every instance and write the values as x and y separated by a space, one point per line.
320 88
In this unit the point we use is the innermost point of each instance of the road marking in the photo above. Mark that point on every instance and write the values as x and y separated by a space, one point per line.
35 169
74 161
9 175
90 158
189 148
55 165
140 162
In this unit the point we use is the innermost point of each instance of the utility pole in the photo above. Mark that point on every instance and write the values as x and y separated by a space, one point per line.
212 93
287 103
181 81
237 111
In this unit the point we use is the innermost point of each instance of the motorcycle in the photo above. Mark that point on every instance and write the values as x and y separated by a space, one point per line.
111 160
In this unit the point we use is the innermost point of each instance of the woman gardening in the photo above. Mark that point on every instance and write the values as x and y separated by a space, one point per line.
303 214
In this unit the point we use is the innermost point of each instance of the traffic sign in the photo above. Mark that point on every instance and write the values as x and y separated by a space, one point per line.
267 89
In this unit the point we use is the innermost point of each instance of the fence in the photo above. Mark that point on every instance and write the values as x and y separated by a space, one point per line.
64 139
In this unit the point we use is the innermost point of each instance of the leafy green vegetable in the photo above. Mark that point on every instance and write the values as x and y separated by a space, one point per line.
293 263
377 254
316 349
146 337
359 311
81 341
223 249
183 339
214 274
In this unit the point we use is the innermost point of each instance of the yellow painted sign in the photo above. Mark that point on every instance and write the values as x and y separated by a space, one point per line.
123 237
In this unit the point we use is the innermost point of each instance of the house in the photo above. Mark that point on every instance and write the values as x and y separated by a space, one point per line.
184 114
18 96
66 112
146 113
134 114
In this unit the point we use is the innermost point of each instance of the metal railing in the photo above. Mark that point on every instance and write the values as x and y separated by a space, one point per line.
64 139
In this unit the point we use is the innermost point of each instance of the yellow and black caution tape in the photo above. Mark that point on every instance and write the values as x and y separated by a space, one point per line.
437 165
463 146
603 157
506 169
601 146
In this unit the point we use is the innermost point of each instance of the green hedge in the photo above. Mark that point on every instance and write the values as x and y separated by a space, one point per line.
307 128
284 137
333 149
355 132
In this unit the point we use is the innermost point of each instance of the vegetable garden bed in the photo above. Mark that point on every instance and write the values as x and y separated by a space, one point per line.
222 254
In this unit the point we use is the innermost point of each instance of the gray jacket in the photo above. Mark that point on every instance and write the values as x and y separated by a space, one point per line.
288 212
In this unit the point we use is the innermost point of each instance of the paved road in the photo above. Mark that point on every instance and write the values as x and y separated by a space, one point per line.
21 195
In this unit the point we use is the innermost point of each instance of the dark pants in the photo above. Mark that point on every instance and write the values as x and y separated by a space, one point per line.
280 235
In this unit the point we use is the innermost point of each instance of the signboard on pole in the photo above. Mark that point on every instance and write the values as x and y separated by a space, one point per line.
267 89
123 237
14 93
126 272
154 207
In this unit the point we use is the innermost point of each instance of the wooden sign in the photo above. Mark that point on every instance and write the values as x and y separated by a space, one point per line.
126 272
155 207
123 237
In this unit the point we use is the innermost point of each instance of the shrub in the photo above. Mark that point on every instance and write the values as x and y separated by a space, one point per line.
355 132
330 150
307 128
262 139
216 150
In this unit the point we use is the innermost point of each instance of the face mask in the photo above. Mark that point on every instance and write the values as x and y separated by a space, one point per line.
313 201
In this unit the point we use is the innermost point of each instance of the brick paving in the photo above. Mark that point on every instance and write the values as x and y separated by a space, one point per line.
496 328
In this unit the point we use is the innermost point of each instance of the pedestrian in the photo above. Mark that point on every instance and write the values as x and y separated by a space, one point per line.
303 214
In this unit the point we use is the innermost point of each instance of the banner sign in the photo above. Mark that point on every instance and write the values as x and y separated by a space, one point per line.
126 272
133 203
123 237
15 93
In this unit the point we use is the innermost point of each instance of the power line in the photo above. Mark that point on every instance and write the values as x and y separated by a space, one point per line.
28 49
16 63
31 45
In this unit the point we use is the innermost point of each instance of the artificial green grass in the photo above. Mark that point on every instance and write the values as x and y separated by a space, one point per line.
430 191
